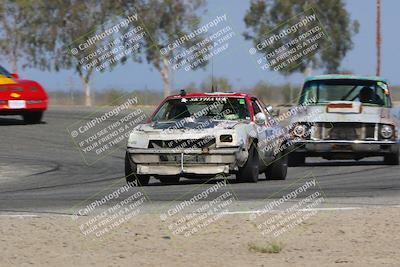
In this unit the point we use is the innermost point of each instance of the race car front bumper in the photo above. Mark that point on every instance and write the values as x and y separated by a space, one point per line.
187 161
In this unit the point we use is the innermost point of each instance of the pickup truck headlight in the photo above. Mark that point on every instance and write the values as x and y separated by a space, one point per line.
386 131
299 131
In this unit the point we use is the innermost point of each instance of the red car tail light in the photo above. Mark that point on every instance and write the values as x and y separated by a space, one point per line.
34 101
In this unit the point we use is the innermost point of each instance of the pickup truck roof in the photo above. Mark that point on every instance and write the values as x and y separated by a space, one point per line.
344 77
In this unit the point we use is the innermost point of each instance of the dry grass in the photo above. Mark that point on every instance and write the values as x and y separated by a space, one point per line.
272 247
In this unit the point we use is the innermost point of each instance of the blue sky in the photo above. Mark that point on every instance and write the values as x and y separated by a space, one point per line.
237 65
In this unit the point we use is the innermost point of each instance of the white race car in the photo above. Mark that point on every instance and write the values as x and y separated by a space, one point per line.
200 135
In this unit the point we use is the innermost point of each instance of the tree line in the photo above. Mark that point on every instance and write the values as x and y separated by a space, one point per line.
39 34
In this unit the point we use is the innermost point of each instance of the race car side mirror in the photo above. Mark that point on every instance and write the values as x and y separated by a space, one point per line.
15 76
260 118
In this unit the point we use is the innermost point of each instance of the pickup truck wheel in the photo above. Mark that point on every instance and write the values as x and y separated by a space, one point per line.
296 159
277 170
392 159
132 178
169 180
249 171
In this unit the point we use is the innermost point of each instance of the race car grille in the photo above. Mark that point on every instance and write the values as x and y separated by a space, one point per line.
347 131
187 159
183 143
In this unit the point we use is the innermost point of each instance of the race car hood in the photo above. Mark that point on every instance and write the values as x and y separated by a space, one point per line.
188 124
190 129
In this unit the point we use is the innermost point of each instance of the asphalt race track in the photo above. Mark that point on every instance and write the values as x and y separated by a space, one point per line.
42 172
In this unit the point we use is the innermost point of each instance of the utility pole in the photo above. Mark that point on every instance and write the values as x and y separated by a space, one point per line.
378 37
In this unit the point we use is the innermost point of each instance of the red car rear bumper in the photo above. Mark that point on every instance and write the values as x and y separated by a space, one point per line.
6 110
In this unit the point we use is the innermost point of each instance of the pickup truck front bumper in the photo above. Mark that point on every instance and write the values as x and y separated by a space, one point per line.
365 147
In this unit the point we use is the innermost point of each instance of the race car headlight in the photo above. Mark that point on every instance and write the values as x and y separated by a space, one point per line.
386 131
226 138
138 140
299 130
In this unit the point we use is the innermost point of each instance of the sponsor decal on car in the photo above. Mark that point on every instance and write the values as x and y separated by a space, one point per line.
6 80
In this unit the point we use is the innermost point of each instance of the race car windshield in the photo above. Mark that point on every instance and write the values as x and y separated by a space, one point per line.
4 72
372 93
218 108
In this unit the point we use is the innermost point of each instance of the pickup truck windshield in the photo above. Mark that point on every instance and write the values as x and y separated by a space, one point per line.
373 93
222 108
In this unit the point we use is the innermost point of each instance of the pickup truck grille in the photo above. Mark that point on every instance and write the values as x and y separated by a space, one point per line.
183 143
345 131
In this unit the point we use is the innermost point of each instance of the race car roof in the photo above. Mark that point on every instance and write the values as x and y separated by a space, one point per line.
344 77
218 94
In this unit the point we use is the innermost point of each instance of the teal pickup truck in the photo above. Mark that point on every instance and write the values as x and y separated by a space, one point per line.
345 117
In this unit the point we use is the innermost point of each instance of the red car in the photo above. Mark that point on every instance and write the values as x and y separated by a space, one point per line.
21 97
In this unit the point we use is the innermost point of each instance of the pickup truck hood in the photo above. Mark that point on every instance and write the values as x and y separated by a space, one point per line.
365 114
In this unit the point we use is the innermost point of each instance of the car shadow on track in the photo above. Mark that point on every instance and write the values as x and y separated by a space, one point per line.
12 122
9 121
201 181
344 163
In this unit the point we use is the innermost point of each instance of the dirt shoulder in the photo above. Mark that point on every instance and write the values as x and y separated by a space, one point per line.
367 237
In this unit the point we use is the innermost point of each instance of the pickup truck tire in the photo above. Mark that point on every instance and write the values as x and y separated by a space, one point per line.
250 170
277 170
132 178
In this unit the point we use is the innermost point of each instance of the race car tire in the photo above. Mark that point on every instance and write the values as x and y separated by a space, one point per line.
33 117
169 179
132 178
250 170
296 159
277 170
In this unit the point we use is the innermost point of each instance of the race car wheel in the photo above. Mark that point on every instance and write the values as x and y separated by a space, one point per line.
169 179
277 170
296 159
132 178
392 159
33 117
249 171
